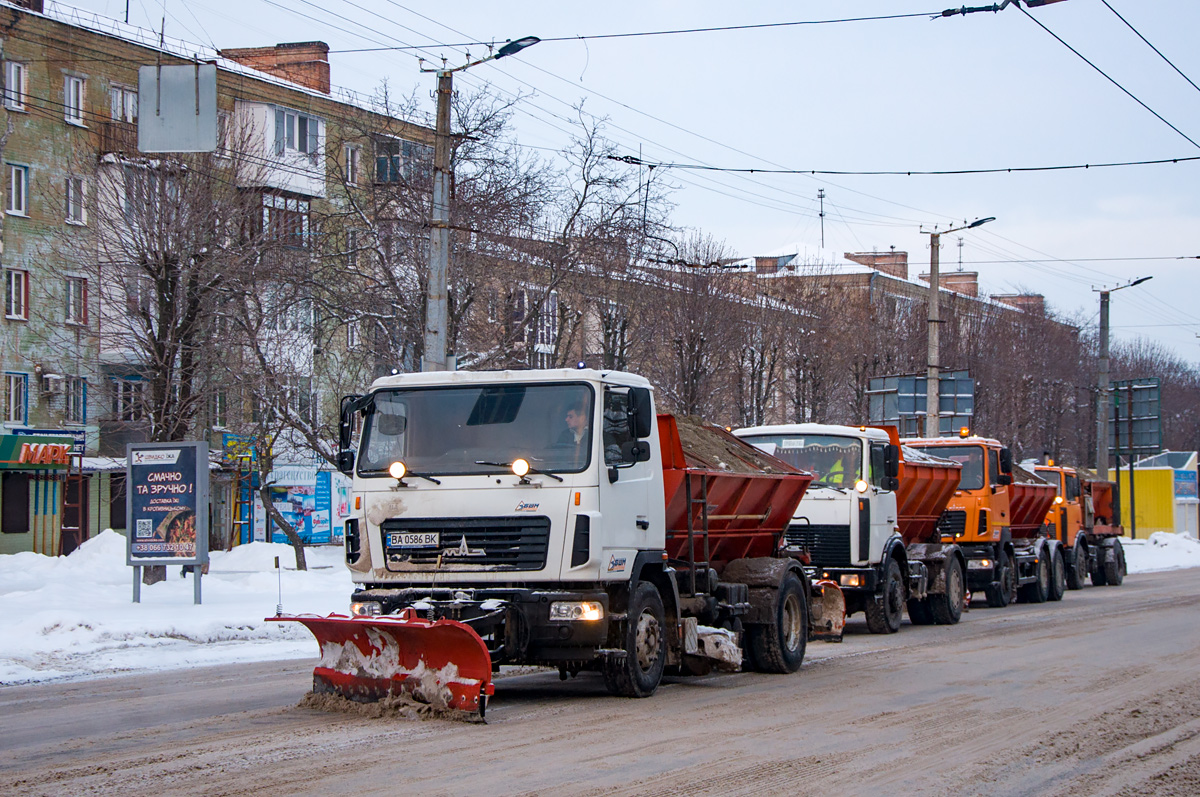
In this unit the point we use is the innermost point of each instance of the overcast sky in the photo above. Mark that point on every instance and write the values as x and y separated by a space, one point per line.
977 92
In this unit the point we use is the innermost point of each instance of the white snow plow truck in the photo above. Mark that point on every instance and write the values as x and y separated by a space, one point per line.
552 518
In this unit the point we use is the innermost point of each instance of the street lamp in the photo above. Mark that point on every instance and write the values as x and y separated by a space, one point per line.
436 304
932 427
1102 381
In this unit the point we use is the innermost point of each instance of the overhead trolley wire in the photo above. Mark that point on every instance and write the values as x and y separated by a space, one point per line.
1148 44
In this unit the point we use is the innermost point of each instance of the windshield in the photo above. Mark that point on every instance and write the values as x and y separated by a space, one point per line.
834 459
451 430
1054 477
971 458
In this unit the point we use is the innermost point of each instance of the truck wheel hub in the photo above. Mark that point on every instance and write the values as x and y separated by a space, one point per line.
648 640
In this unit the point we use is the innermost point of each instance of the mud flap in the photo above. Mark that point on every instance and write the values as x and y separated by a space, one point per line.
443 662
827 611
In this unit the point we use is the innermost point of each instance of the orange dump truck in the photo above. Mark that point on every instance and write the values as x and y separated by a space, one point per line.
1086 521
999 522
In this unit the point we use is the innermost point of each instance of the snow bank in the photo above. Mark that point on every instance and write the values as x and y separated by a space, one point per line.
73 617
1163 551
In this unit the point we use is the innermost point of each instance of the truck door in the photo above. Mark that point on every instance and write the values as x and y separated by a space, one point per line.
998 500
628 519
883 513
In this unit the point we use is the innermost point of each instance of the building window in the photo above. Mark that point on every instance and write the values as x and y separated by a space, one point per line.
353 155
545 333
351 248
297 132
16 398
220 409
124 103
353 337
286 219
76 214
127 399
16 503
16 84
222 135
73 100
16 294
18 190
76 400
76 300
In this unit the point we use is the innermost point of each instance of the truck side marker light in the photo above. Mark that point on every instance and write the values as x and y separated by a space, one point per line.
358 502
576 499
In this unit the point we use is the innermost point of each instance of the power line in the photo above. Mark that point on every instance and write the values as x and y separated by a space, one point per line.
673 32
1148 44
634 161
1128 93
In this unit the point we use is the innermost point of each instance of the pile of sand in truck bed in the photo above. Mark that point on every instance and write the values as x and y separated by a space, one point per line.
1023 476
712 448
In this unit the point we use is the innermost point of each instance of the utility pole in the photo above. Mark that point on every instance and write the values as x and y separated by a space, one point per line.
1102 393
821 196
437 315
436 303
932 414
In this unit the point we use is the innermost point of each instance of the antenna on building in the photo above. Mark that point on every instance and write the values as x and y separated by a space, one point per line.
821 196
960 246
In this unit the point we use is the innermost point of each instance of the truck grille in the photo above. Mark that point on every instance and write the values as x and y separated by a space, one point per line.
952 522
829 546
505 542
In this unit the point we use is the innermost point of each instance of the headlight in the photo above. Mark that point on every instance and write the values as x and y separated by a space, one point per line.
861 486
576 610
520 467
979 564
397 470
1058 499
366 609
851 580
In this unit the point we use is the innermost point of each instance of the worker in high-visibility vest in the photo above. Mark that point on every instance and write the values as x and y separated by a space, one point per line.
836 474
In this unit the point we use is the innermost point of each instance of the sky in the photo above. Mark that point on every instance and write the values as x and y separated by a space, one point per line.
985 91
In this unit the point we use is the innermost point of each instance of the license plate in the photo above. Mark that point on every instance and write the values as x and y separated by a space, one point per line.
416 539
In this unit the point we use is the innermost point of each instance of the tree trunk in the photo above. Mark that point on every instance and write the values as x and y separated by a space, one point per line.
264 494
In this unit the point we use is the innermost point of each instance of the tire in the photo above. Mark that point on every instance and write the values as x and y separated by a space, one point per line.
1114 571
948 606
639 671
1000 593
1078 573
1099 577
1039 590
920 612
885 611
779 647
1058 576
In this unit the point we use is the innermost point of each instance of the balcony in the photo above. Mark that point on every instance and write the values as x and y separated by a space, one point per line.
118 138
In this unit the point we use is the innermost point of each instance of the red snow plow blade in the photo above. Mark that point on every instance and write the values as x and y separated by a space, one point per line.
441 662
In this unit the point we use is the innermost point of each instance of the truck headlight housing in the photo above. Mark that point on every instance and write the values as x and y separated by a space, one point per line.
366 609
850 580
861 486
397 470
576 610
979 564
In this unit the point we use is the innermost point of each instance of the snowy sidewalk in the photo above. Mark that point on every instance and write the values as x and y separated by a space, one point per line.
73 616
1162 551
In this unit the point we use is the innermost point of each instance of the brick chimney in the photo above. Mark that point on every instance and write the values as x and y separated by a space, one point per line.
893 262
1032 303
32 5
306 63
964 282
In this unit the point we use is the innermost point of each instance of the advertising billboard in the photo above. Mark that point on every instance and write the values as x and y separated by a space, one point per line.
167 503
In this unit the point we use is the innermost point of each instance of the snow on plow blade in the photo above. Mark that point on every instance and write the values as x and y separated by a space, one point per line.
441 662
828 611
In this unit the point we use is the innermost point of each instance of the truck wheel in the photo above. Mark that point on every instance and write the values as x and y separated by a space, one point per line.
948 606
884 612
1099 577
1058 576
779 646
1077 575
1000 592
1114 571
1039 590
920 611
637 673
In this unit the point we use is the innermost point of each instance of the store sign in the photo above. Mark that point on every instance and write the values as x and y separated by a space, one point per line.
34 452
77 436
167 503
1185 484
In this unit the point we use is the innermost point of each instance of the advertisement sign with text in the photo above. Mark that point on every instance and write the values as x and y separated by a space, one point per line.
167 503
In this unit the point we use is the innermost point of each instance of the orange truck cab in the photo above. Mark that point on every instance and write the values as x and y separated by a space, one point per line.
998 522
1086 521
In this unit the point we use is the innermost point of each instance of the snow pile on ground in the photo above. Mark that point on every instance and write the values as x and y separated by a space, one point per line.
74 616
1162 551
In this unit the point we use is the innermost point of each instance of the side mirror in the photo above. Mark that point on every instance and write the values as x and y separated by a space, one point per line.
635 451
345 462
345 458
1006 461
642 411
891 483
891 462
1004 478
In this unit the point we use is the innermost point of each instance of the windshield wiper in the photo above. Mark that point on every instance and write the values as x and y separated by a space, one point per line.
423 476
837 487
509 465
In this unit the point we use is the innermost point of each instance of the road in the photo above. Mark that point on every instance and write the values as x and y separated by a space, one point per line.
1097 695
